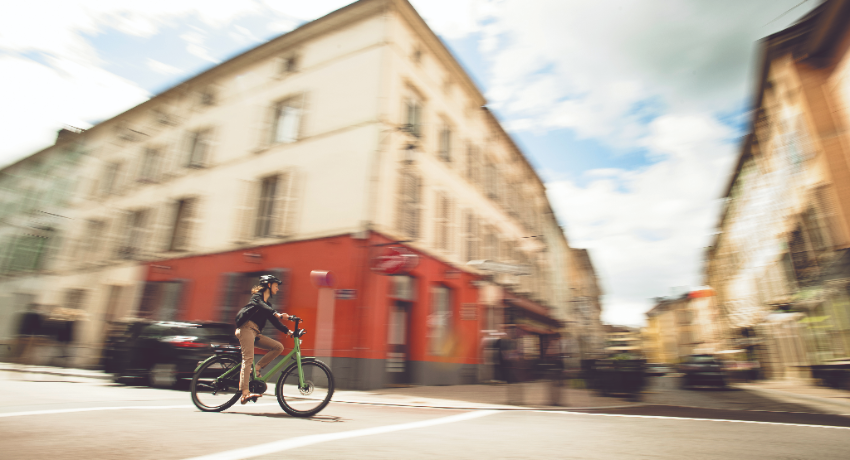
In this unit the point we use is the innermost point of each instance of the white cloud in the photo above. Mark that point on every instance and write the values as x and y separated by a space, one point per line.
646 229
163 68
63 93
604 71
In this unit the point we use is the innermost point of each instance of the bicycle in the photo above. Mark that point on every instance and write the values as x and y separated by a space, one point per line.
306 381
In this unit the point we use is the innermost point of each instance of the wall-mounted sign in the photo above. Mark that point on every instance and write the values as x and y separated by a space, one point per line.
252 257
499 267
346 294
394 261
469 311
322 278
452 274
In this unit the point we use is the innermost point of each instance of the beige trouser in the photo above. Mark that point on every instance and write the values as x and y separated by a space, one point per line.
247 334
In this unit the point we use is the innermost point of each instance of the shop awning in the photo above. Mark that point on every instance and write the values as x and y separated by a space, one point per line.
536 330
533 310
814 319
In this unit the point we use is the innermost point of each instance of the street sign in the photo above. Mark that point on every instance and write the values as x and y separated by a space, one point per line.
394 261
346 294
499 267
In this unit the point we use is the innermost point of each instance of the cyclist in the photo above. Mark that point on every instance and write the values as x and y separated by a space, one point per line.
249 323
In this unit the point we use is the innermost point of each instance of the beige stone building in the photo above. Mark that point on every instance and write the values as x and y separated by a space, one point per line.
586 308
779 263
314 151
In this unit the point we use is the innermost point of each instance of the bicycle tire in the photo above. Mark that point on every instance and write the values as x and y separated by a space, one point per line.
223 362
291 374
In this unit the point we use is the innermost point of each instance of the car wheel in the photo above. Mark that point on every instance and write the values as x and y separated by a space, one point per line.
163 375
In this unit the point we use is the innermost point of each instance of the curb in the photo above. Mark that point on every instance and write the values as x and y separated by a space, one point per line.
845 405
59 371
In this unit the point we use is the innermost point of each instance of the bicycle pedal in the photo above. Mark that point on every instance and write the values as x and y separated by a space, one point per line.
254 399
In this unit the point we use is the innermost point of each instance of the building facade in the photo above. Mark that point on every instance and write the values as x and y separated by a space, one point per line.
352 137
779 261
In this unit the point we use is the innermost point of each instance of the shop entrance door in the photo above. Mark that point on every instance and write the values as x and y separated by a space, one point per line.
398 370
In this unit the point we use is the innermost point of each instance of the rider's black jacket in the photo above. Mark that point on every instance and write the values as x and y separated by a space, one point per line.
259 312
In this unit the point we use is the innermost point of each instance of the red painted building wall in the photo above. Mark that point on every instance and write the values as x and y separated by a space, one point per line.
360 324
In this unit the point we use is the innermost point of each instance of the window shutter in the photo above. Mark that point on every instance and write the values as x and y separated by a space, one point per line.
400 202
439 221
302 102
246 216
143 246
164 228
192 233
118 230
265 125
417 207
211 147
286 206
453 227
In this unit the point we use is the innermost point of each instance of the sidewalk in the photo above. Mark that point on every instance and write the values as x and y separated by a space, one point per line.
486 396
803 392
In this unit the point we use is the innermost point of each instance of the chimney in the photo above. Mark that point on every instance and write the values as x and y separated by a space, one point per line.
67 132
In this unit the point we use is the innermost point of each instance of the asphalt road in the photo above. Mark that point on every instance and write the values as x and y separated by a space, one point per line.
54 417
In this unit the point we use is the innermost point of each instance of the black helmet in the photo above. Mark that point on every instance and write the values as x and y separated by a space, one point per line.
266 280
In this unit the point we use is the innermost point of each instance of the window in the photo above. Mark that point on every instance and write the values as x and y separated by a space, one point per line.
443 221
266 209
199 148
135 235
288 64
74 299
150 163
409 199
110 178
490 179
207 97
446 143
471 227
92 239
416 56
287 120
472 169
181 230
440 321
413 122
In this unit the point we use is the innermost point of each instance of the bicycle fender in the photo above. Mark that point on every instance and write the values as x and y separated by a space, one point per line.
204 362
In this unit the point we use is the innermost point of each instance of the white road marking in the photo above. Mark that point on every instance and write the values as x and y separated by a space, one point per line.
89 409
661 417
293 443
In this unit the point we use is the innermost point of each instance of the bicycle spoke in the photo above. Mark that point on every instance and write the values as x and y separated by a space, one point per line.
212 390
312 396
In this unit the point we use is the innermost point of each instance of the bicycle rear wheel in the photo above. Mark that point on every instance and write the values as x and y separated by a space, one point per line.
210 391
307 400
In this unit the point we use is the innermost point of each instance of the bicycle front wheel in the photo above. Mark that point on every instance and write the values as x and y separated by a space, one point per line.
215 387
308 399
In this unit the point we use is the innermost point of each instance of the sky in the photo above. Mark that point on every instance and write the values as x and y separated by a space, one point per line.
632 112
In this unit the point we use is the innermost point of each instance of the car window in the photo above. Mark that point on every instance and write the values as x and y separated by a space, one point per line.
216 333
153 331
702 359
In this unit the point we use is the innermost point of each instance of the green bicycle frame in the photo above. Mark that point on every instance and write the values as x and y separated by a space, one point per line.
296 351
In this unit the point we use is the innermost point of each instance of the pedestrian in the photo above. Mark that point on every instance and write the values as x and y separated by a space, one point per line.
29 327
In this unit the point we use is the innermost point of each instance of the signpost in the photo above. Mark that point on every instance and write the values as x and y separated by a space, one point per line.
499 267
394 261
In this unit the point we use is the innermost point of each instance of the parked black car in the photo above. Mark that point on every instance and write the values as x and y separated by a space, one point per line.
162 353
658 370
702 370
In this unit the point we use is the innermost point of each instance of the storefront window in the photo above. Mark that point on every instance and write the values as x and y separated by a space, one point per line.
440 321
